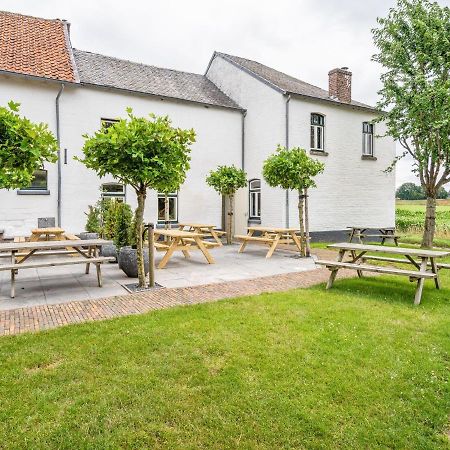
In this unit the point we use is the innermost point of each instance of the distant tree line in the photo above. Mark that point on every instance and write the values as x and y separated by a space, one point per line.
411 191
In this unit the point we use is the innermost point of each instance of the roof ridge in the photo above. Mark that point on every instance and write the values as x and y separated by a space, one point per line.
32 17
137 63
276 70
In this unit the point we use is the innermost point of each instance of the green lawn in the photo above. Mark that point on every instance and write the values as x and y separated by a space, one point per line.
354 367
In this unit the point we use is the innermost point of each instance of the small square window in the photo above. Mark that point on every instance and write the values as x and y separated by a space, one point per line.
39 182
173 208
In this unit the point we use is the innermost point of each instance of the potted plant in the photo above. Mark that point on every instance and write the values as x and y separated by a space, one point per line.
109 214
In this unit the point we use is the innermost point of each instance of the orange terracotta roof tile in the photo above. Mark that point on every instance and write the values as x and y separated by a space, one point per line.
37 47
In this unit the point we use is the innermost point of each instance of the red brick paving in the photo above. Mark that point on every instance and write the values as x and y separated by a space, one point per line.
44 317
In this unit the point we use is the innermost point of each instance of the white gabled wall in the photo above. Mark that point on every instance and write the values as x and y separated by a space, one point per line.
264 129
351 191
19 213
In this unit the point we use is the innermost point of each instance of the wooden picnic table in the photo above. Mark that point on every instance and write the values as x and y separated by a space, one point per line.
179 240
385 233
204 229
419 259
271 236
88 249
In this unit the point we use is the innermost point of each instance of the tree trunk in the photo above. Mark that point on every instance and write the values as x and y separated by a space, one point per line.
301 222
430 222
166 212
307 243
138 230
230 220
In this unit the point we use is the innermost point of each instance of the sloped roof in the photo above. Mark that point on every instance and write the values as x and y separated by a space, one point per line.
106 71
36 47
285 83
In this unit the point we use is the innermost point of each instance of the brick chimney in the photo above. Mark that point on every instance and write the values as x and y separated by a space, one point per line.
340 84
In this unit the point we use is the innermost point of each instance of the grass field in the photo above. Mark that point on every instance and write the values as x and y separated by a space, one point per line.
410 216
355 367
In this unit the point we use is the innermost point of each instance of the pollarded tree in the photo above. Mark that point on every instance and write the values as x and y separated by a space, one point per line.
293 169
226 180
413 43
24 148
145 153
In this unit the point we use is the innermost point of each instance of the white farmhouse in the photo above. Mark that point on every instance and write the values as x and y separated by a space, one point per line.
240 110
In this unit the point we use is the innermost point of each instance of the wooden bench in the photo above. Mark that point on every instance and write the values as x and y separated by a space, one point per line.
14 268
383 237
241 237
412 274
401 261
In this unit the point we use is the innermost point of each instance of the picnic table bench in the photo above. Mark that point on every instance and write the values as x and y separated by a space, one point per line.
272 236
206 230
420 259
88 249
384 234
184 241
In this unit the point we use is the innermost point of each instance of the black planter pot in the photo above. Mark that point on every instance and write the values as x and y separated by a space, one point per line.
85 235
128 261
109 250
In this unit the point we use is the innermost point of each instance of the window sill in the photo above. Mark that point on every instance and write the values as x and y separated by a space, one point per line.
318 152
368 157
33 192
254 221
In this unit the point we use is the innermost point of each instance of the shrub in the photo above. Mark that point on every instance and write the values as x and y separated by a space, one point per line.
93 220
123 226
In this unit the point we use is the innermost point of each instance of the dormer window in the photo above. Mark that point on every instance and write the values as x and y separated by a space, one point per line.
317 132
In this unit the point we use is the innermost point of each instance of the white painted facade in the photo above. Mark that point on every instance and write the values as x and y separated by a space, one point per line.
218 142
351 191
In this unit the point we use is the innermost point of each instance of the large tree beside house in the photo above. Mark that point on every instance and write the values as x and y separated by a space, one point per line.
413 43
24 148
142 152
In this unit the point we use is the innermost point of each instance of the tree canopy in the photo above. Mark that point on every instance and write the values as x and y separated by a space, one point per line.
413 43
411 191
291 169
226 180
24 147
143 152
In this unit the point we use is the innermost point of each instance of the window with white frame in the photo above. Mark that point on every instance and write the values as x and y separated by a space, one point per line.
317 132
254 199
173 207
113 190
367 139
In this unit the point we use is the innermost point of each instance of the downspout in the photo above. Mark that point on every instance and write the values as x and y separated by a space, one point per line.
58 138
288 99
244 114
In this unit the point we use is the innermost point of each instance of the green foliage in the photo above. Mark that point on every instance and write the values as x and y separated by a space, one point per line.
413 43
141 152
109 208
24 147
226 180
411 191
93 224
291 169
123 226
145 153
413 219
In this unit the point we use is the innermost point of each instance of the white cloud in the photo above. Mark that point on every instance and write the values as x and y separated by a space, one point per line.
304 38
